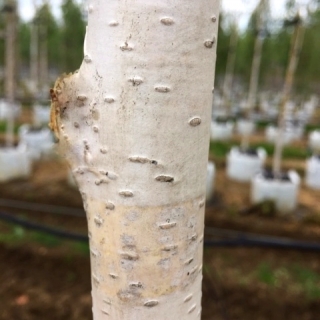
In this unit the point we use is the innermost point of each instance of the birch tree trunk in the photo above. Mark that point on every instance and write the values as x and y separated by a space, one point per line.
10 66
255 72
231 61
34 42
134 123
296 45
43 60
261 16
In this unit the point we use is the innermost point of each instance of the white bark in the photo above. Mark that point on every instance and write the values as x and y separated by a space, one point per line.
134 125
34 74
262 12
231 61
255 72
43 60
296 45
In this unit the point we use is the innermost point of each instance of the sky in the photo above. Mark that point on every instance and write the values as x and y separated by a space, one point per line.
26 8
241 7
245 7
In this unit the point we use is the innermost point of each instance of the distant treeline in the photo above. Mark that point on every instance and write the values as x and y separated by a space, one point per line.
275 54
65 47
64 36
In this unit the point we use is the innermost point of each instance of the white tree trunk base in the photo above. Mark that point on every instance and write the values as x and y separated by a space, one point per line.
153 269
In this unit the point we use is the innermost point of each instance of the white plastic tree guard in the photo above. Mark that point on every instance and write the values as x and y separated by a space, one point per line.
245 127
265 104
6 108
309 108
242 166
211 173
291 134
41 115
314 140
272 113
221 130
313 172
284 193
289 107
243 105
271 134
217 101
38 141
219 113
14 163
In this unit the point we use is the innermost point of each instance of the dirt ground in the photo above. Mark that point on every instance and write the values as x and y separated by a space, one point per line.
43 278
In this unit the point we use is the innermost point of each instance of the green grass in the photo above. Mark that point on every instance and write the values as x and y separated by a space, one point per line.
45 239
264 123
295 278
15 236
220 149
81 247
309 280
312 127
19 236
3 127
266 275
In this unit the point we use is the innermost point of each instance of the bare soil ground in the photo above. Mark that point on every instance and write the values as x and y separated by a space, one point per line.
46 279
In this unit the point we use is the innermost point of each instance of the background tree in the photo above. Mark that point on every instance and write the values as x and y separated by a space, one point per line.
72 35
223 45
24 43
2 48
53 36
67 55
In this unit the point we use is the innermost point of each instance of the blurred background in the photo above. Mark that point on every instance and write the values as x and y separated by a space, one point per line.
261 257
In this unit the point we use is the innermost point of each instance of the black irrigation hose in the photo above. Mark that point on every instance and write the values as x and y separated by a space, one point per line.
240 239
42 228
244 239
40 207
293 245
